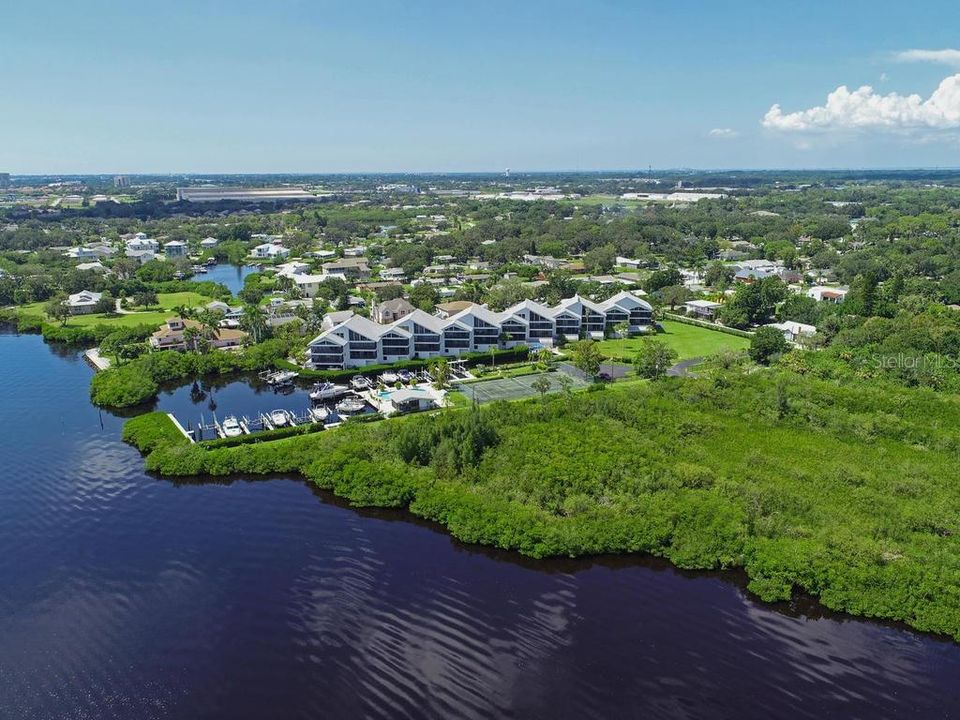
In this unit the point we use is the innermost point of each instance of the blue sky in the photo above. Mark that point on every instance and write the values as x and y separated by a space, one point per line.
450 86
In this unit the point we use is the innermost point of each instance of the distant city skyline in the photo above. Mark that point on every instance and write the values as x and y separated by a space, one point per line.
377 87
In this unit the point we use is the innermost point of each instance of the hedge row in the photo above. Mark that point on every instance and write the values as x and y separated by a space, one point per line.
711 326
263 436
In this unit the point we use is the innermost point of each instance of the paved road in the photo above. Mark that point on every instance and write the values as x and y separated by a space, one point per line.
682 368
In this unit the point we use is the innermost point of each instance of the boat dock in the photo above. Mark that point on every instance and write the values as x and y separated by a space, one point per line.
250 425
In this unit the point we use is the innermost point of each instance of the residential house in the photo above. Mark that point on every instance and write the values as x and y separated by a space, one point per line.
824 293
140 242
352 268
209 243
702 309
270 251
173 336
83 302
89 252
141 256
445 310
393 274
794 331
175 249
390 310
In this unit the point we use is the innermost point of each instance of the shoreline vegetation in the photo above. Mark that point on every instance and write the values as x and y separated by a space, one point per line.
846 492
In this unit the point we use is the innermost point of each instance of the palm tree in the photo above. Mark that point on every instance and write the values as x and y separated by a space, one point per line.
544 358
191 336
254 321
440 373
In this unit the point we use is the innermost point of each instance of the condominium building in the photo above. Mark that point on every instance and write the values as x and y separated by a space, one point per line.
350 340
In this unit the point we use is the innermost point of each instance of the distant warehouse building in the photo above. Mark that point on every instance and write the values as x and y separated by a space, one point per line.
217 194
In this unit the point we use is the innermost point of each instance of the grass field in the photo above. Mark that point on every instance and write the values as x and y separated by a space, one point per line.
689 341
606 200
167 301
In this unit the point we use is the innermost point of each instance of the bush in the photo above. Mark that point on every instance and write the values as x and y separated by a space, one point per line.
766 345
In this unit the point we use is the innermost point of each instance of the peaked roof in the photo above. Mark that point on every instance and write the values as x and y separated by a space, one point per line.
424 319
397 304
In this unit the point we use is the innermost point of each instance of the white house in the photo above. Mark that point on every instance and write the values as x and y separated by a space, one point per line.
141 243
394 273
270 251
208 243
175 249
703 309
793 331
141 256
294 267
824 293
89 252
83 302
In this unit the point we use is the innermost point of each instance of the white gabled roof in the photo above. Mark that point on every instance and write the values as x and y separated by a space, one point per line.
366 327
626 301
478 311
529 306
328 336
424 319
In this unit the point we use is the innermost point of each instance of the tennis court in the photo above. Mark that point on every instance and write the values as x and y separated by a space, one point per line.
517 387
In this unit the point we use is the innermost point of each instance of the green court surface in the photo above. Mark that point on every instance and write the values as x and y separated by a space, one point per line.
515 388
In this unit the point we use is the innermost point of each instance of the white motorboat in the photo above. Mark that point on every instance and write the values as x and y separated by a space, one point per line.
279 418
351 405
405 375
231 427
389 378
320 413
328 391
360 383
281 377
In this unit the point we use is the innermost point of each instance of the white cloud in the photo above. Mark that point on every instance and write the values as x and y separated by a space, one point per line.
865 109
944 57
723 133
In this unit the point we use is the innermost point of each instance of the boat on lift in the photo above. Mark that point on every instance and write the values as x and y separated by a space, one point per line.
328 391
389 378
350 406
405 376
360 383
319 413
231 427
279 418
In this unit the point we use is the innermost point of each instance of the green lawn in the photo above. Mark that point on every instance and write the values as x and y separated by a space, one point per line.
168 301
689 341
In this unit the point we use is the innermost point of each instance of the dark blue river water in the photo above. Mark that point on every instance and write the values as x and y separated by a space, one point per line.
226 274
128 596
